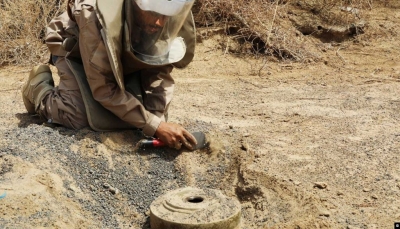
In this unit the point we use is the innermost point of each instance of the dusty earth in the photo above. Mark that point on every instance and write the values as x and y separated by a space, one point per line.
300 145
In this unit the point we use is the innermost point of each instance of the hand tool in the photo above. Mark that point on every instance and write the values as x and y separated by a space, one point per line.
199 136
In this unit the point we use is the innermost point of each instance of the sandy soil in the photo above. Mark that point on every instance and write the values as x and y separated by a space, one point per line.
311 145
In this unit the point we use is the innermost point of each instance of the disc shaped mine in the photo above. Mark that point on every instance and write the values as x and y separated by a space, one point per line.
193 208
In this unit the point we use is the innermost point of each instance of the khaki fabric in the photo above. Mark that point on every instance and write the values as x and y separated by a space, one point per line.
64 104
99 118
93 37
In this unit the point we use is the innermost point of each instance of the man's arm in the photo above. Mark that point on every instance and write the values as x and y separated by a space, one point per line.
158 86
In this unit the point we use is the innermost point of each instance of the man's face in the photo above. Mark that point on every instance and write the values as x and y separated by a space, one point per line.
151 22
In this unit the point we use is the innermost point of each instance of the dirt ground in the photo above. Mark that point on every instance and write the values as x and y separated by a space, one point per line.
300 145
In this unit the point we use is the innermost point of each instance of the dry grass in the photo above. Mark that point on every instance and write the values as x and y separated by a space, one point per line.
285 29
22 30
262 27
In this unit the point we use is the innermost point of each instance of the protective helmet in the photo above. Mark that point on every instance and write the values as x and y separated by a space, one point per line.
157 24
164 7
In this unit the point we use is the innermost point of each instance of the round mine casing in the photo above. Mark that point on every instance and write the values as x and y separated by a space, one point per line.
193 208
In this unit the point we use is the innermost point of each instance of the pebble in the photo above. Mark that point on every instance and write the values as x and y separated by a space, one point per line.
246 135
325 213
113 190
324 198
351 227
296 183
244 146
375 197
320 185
366 189
106 185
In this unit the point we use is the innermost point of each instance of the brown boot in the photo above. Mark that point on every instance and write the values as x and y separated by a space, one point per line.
39 83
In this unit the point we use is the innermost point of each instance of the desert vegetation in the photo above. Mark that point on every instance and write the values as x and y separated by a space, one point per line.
22 30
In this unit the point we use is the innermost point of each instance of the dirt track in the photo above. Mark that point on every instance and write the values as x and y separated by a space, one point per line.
300 145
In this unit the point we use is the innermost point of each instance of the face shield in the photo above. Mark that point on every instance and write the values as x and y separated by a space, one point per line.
154 39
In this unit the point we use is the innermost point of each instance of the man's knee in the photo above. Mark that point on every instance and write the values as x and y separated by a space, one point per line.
78 122
75 113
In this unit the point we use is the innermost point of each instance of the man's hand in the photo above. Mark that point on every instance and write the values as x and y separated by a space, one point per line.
174 135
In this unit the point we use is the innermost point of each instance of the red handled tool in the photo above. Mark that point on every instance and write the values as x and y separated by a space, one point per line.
199 136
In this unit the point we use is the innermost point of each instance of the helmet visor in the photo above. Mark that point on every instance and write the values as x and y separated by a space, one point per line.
158 23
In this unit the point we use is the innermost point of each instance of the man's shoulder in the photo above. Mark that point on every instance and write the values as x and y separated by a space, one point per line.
77 5
110 13
105 6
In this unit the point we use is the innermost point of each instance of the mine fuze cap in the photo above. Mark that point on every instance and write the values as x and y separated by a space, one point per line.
164 7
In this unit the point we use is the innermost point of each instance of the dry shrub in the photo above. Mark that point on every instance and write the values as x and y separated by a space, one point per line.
22 29
285 29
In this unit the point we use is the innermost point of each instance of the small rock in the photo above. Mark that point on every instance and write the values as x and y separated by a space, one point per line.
230 127
245 146
351 227
340 193
246 135
325 213
106 185
375 197
113 190
324 198
297 183
366 189
320 185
